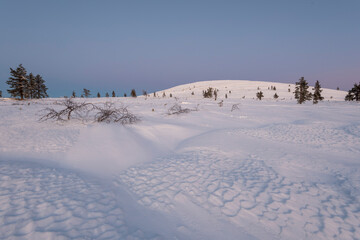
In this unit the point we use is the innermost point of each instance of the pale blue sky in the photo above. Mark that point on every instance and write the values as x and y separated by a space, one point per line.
152 45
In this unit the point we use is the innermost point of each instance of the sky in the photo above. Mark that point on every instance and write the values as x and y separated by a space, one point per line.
153 45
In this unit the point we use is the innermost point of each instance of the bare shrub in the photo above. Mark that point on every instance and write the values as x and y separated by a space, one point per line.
109 113
177 109
71 108
235 107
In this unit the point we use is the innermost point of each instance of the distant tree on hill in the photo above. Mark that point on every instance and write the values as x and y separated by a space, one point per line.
113 94
317 93
125 95
354 93
208 93
86 92
259 95
73 94
144 93
163 95
133 93
1 94
18 82
107 95
98 95
170 95
276 96
302 93
154 94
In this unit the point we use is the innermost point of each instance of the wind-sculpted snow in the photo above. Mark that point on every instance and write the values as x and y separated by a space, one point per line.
246 191
38 202
270 169
313 135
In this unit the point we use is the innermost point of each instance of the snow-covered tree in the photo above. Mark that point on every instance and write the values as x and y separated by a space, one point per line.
302 93
317 93
354 93
18 82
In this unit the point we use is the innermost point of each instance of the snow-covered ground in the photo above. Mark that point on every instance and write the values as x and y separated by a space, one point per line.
271 169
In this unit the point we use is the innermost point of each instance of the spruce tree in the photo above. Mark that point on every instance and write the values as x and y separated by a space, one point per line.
18 82
125 95
40 87
31 86
86 92
73 94
317 93
107 95
354 93
302 93
113 94
259 95
0 94
98 95
276 96
133 93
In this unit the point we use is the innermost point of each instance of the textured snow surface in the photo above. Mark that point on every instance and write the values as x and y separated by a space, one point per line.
271 169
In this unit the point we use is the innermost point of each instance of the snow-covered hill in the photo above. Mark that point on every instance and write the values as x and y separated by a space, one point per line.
245 89
243 169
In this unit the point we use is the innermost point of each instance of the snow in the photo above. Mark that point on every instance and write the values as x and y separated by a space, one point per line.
272 169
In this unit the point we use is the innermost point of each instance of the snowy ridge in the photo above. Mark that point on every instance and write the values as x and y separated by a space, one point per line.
246 89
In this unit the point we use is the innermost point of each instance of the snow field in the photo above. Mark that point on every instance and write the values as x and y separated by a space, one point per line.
271 169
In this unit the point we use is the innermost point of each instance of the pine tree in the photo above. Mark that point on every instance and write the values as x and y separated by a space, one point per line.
133 93
40 87
259 95
86 92
73 94
107 95
31 86
98 95
302 93
354 93
125 95
0 94
113 94
276 96
317 93
208 93
18 82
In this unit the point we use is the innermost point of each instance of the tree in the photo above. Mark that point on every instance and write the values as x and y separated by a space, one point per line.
125 95
354 93
259 95
208 93
302 93
317 93
215 94
40 87
133 93
0 94
276 96
31 86
144 93
107 95
98 95
113 94
86 92
18 82
73 94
